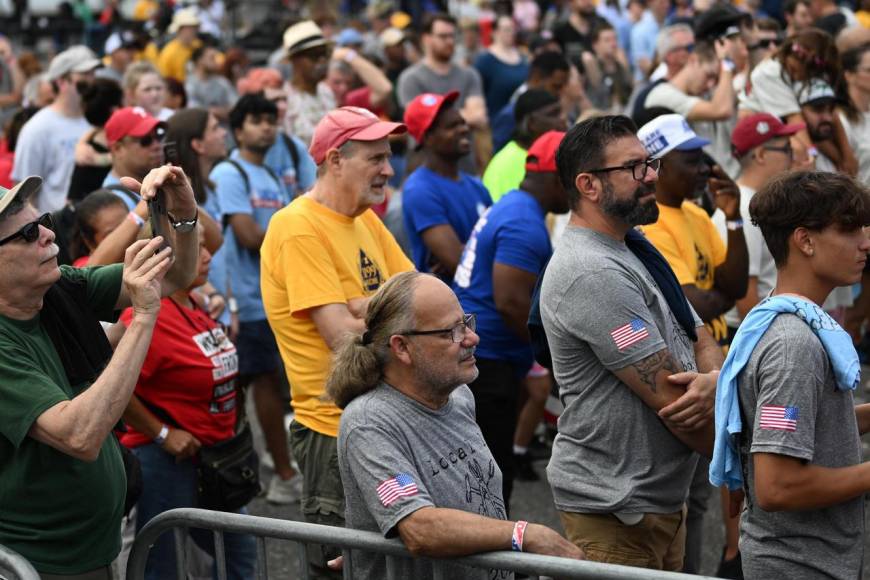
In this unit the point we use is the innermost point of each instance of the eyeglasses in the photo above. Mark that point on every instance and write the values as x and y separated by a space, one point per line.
30 232
787 149
688 48
469 322
766 43
642 166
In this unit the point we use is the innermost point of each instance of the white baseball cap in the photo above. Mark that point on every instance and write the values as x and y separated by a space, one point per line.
668 132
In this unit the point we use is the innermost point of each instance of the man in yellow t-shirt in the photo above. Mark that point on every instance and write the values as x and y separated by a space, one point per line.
712 277
173 58
323 256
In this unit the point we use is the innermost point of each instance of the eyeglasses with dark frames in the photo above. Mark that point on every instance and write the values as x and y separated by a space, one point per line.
30 232
458 332
642 166
787 149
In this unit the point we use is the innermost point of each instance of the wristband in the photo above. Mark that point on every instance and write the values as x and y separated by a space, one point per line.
161 437
728 65
349 56
233 305
517 536
734 224
134 217
812 152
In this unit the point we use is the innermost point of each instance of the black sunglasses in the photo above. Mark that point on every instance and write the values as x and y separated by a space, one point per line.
150 138
766 43
30 232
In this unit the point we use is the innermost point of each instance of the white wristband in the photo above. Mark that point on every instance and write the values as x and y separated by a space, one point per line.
134 217
734 224
349 56
161 437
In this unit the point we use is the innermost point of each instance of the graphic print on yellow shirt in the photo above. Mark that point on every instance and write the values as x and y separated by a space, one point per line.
311 257
688 240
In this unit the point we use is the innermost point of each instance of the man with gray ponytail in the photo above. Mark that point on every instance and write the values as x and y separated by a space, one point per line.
413 461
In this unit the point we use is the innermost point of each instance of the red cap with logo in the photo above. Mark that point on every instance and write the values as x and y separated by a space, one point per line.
130 122
541 157
758 129
349 124
421 112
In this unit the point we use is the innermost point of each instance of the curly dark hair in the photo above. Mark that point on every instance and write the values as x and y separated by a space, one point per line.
813 200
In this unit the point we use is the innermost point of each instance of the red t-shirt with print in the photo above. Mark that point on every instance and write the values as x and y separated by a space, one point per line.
190 372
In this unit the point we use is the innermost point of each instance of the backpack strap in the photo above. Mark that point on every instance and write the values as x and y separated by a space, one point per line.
294 152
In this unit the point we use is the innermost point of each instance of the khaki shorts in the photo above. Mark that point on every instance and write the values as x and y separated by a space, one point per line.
658 541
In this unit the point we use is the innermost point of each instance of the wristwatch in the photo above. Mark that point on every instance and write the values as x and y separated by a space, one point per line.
184 226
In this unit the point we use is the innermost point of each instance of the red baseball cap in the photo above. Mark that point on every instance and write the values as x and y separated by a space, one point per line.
349 124
541 157
130 122
421 112
758 129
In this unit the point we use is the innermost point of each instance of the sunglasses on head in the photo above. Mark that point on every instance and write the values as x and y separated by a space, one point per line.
30 232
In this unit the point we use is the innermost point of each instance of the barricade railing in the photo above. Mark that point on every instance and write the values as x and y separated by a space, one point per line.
350 541
13 566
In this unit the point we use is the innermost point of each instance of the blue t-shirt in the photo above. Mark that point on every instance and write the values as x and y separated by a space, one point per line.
514 233
279 158
500 79
265 197
112 179
429 200
503 125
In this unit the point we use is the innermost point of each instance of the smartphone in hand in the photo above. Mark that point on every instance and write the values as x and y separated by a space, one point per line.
159 218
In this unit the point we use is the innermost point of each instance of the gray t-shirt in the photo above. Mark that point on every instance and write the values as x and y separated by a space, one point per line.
602 312
46 147
397 456
215 91
789 368
419 79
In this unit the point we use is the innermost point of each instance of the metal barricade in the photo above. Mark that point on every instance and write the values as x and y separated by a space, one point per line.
303 533
13 566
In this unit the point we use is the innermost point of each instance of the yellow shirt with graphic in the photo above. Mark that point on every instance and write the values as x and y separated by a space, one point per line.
313 256
689 241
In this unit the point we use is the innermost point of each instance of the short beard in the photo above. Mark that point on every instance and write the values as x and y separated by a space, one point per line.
259 149
816 135
629 211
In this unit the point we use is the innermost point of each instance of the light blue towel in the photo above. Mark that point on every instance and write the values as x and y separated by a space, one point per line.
725 466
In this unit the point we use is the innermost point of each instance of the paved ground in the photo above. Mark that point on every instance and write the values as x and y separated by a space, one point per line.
533 502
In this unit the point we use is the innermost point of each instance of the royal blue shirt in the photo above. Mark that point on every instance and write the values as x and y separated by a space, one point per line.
429 200
514 233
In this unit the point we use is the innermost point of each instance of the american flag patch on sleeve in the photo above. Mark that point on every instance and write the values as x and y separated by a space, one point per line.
778 418
396 487
628 334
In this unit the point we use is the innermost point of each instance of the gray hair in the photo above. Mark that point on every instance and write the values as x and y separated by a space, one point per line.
358 365
345 150
665 41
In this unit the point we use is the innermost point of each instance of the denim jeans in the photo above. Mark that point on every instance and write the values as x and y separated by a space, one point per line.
169 485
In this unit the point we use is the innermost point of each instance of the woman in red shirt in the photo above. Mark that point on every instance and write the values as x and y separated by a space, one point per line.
185 398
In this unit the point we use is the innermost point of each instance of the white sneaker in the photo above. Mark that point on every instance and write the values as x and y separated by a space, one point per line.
284 491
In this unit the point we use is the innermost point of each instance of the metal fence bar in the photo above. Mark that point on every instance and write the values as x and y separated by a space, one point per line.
180 534
262 559
220 555
15 567
302 554
531 564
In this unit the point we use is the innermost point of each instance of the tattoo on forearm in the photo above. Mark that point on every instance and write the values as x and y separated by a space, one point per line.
648 368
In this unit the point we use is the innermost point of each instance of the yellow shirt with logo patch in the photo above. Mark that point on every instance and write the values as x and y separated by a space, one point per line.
689 241
312 256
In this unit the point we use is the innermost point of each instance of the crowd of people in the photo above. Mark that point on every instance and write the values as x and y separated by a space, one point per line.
428 231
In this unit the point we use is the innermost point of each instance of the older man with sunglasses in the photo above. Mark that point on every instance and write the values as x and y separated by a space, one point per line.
63 389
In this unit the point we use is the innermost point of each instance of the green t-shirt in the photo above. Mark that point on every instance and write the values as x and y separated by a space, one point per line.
61 513
505 171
